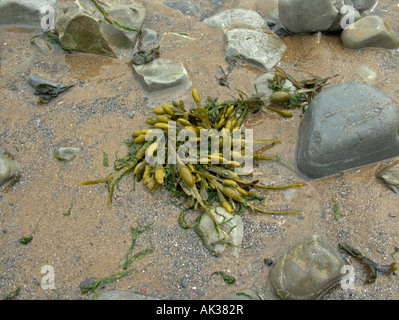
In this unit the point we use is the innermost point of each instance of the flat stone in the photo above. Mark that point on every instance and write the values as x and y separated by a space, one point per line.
23 12
67 153
82 27
123 295
262 50
237 18
307 270
162 74
390 177
232 226
347 126
9 169
371 31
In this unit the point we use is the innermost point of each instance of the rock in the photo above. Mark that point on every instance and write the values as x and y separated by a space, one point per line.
237 18
242 295
232 226
369 31
122 295
347 126
262 50
186 7
9 169
363 5
300 16
307 270
23 12
67 154
390 177
262 85
162 74
46 89
82 27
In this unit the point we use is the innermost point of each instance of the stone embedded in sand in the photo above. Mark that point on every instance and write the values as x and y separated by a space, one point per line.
390 177
260 49
24 12
162 74
185 7
9 169
347 126
307 270
237 18
371 31
82 27
231 225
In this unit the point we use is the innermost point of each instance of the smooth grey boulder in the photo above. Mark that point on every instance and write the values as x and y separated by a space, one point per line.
389 176
371 31
232 226
237 18
82 27
9 169
123 295
162 74
26 13
257 48
308 270
347 126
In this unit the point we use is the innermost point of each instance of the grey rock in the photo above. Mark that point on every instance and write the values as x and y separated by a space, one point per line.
233 228
162 74
262 85
237 18
23 12
307 270
9 169
300 16
242 295
67 154
82 27
363 5
347 126
122 295
262 50
371 31
186 7
390 177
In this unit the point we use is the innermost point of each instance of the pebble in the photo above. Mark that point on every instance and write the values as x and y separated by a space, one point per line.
307 270
370 31
9 169
389 176
67 153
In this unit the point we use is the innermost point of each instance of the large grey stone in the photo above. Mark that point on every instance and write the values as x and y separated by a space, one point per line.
24 12
347 126
9 169
307 270
237 18
82 27
371 31
260 49
162 74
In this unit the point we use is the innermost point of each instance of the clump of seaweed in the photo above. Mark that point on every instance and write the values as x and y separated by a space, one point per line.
214 173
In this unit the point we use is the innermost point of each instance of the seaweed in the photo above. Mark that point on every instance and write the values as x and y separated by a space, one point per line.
226 278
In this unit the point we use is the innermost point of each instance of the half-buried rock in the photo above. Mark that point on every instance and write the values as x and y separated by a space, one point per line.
347 126
307 270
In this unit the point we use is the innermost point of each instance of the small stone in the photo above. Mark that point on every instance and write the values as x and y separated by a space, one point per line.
307 270
162 74
9 169
262 50
390 177
185 7
67 154
347 126
370 31
363 5
233 228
